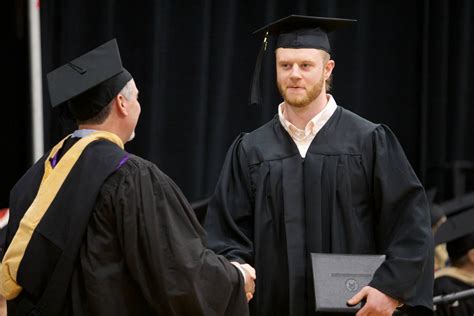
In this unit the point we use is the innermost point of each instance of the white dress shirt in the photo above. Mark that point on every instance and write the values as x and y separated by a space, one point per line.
303 138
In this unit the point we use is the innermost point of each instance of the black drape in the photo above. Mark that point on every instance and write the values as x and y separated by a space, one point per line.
15 125
405 63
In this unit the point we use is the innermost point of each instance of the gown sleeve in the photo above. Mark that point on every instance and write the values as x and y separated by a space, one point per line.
229 218
164 250
403 224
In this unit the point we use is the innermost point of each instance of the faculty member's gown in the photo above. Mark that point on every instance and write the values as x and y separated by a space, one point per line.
137 247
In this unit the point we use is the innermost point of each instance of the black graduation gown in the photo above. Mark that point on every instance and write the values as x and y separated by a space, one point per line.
142 251
448 285
144 254
355 192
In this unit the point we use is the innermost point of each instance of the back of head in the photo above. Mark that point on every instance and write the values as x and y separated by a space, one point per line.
92 105
89 83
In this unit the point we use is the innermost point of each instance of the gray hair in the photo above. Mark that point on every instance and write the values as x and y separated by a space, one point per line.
127 90
100 117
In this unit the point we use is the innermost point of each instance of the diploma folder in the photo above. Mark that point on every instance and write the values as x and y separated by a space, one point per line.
338 277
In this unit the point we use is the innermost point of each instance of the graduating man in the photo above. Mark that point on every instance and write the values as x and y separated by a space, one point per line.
318 178
95 230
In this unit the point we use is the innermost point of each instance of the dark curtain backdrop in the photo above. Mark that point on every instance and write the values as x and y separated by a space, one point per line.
407 64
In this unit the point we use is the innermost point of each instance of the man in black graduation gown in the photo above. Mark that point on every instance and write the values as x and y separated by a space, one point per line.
318 178
457 277
95 230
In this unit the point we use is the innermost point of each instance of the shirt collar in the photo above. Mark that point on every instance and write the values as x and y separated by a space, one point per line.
313 126
80 133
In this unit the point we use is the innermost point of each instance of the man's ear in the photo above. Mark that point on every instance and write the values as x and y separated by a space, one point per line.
328 68
121 104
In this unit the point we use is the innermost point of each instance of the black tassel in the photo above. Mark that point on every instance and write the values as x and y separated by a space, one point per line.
255 92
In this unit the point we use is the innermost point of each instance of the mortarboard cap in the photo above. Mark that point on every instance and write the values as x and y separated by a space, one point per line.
455 226
458 204
100 68
460 246
460 219
295 31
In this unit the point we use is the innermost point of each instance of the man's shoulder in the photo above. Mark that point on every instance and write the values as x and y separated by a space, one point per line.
268 142
355 121
263 132
134 167
32 177
134 164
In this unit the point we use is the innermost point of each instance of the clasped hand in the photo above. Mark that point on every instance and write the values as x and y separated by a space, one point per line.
250 277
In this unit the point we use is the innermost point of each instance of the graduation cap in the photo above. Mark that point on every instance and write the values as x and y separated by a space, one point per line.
458 204
460 219
295 31
90 81
460 246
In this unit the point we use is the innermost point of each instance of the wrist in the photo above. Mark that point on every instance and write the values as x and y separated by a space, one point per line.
237 265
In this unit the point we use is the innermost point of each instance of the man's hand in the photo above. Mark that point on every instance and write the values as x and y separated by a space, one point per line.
249 277
377 303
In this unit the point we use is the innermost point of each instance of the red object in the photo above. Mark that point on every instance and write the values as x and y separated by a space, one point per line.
4 215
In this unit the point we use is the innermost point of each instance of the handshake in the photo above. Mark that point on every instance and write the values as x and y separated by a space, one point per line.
249 276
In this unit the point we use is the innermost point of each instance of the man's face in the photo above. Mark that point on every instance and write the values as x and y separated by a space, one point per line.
301 74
